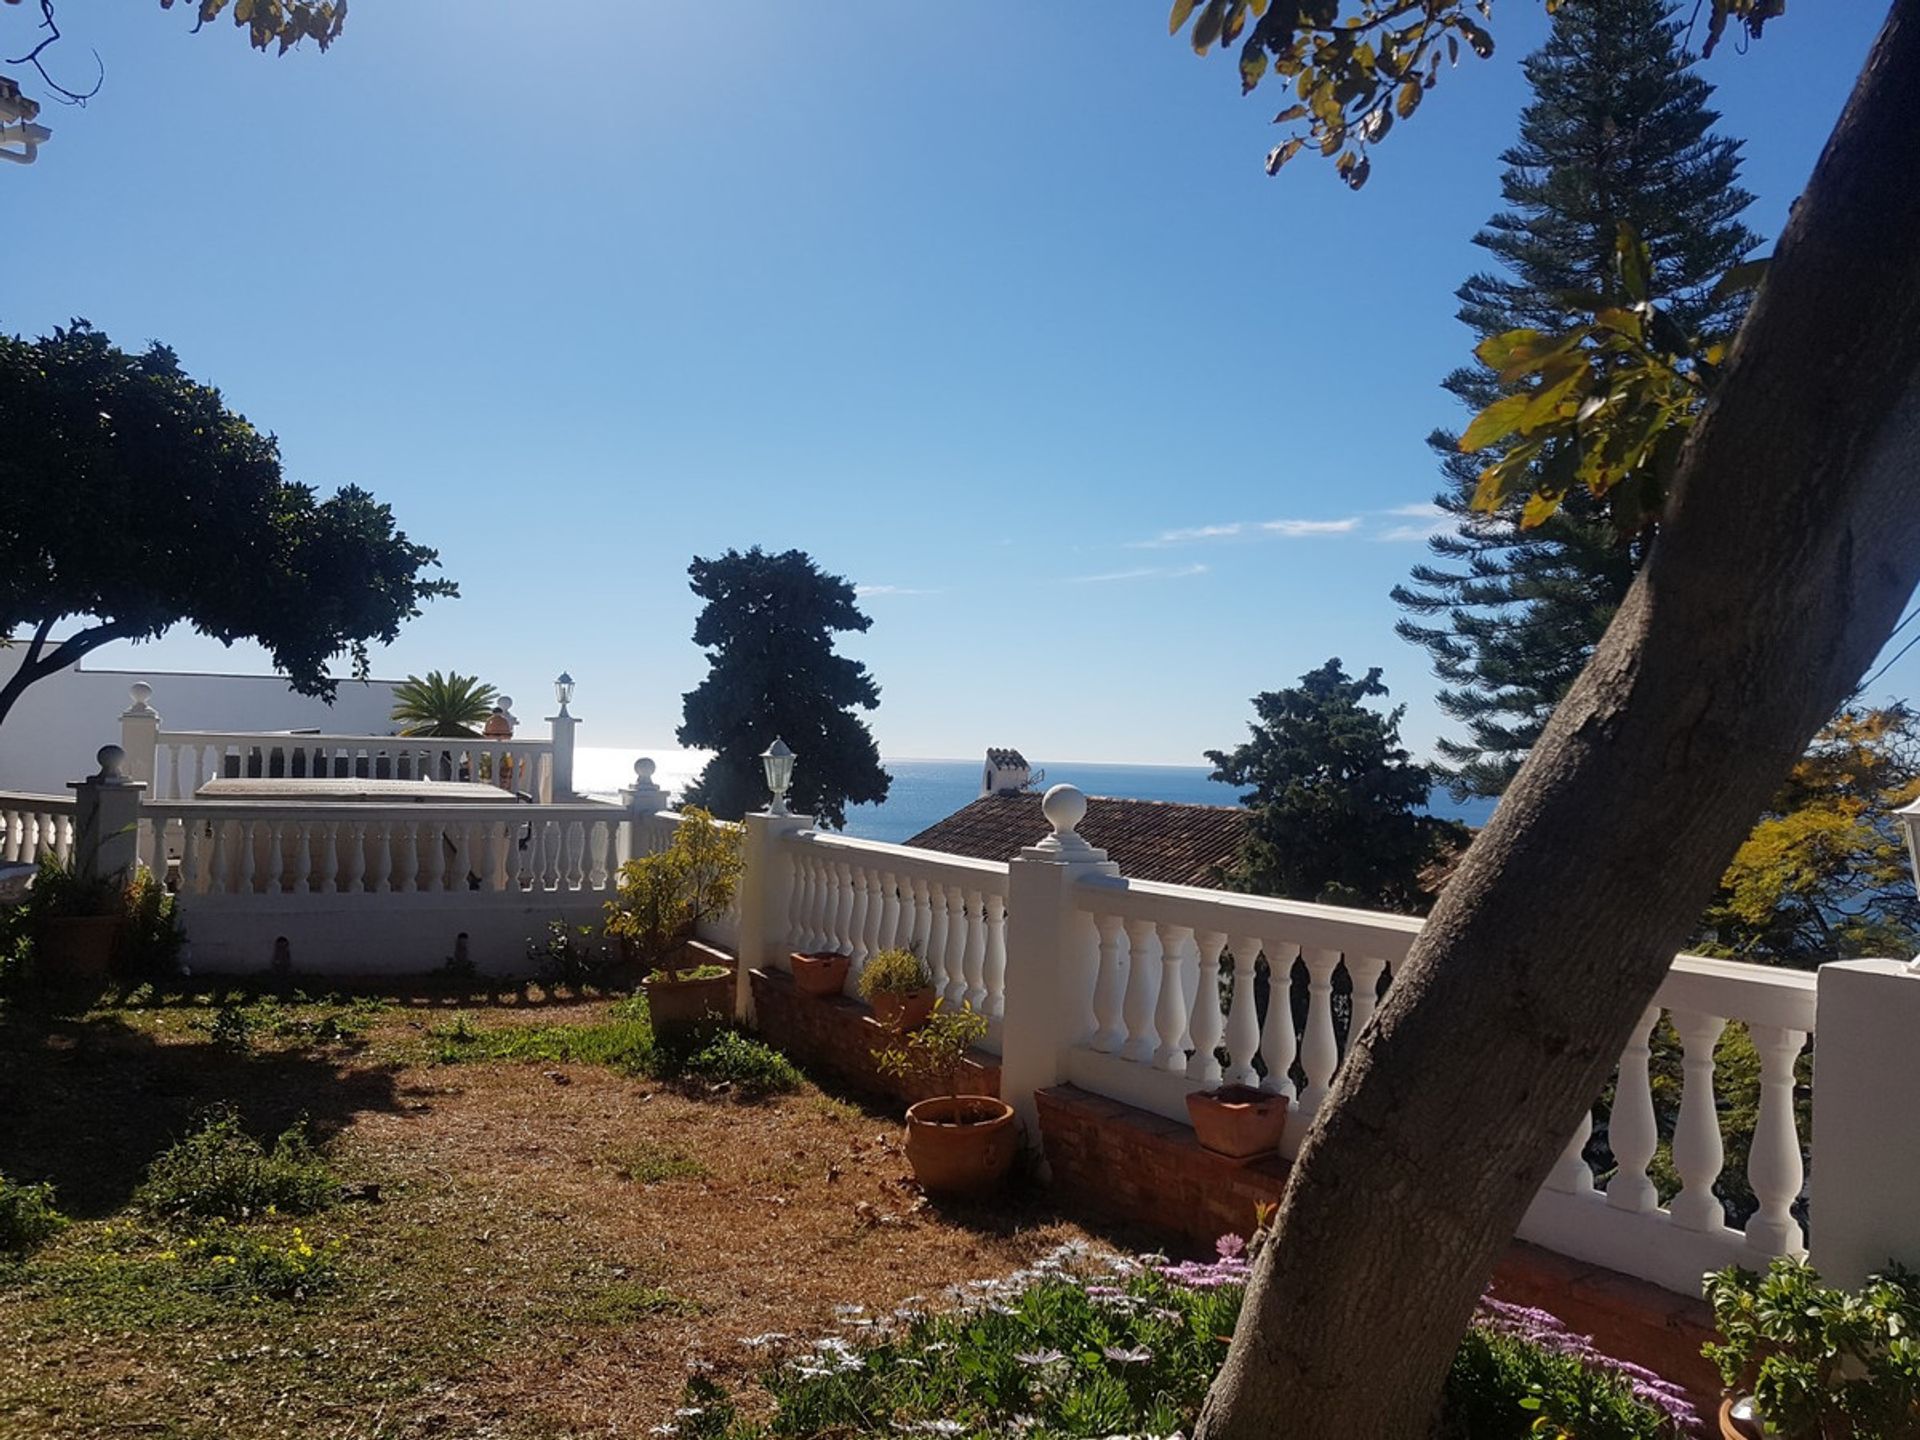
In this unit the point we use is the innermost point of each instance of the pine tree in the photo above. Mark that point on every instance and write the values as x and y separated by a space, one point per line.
769 622
1619 131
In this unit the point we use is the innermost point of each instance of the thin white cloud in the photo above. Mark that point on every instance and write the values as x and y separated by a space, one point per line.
1432 521
1144 572
1286 529
864 590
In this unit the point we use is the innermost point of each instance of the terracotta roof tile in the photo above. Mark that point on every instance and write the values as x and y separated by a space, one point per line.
1180 844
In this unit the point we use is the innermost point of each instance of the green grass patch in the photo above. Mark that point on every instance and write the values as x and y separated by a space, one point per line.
650 1164
625 1301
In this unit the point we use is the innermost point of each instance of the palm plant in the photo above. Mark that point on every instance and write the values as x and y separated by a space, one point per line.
445 706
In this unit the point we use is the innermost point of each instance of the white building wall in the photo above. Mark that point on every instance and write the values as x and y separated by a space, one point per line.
51 734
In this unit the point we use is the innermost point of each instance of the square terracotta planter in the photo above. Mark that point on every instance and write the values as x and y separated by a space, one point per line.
1238 1122
820 973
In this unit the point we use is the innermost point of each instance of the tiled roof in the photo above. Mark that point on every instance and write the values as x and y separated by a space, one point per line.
1150 839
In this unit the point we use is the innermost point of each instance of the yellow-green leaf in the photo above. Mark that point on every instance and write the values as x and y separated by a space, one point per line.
1495 423
1181 10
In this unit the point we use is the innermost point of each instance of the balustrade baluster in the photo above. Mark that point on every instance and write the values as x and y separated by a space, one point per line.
1205 1020
1364 971
327 882
822 903
936 953
857 919
1631 1132
956 957
842 926
1109 986
1774 1167
380 848
996 956
1143 981
575 834
552 843
406 856
1171 1012
303 878
1571 1174
190 857
433 853
1698 1155
886 910
920 936
1277 1045
975 960
220 879
249 860
1319 1047
1243 1015
173 771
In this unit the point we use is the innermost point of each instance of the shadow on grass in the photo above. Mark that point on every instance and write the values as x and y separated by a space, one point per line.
91 1099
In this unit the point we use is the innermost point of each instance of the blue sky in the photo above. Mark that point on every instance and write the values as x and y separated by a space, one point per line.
998 317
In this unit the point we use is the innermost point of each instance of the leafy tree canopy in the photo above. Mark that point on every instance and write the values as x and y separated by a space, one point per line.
132 499
1338 804
769 624
443 706
1357 66
1825 876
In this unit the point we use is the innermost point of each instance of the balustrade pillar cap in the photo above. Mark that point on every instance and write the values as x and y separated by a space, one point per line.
138 693
1065 807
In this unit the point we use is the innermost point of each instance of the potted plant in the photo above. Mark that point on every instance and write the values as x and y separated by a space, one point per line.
660 900
957 1144
1238 1121
75 920
898 988
820 973
1803 1361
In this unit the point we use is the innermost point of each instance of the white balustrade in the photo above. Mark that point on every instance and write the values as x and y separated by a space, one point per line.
32 826
184 760
858 898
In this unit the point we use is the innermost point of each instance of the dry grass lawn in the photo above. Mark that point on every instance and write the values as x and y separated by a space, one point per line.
531 1249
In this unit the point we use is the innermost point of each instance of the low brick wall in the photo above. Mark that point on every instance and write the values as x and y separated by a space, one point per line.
838 1036
1134 1166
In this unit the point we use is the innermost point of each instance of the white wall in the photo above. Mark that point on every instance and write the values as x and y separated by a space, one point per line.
52 732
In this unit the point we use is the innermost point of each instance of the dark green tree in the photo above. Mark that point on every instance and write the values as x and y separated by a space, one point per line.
1338 804
769 624
133 500
1618 132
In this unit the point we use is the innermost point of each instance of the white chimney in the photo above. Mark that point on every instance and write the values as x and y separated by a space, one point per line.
1005 770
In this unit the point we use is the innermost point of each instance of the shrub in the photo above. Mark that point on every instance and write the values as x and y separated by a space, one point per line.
893 972
27 1217
661 897
937 1048
151 940
752 1067
568 956
1820 1361
219 1172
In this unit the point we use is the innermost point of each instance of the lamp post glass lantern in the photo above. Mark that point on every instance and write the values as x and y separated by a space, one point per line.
563 690
777 760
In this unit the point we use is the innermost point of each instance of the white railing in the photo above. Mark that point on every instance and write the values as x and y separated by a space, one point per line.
858 897
35 825
1189 988
184 760
246 848
1624 1226
1179 978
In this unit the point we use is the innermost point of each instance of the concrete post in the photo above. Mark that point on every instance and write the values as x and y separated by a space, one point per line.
106 822
764 899
1866 1126
643 800
1050 955
139 733
561 727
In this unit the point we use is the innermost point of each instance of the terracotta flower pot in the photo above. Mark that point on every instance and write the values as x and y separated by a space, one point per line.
960 1144
820 973
78 947
678 1006
901 1013
1238 1121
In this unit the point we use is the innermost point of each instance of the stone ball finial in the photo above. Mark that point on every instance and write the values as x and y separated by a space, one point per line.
1065 807
140 692
111 758
505 702
643 769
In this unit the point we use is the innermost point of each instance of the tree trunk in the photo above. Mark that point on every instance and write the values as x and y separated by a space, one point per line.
1792 541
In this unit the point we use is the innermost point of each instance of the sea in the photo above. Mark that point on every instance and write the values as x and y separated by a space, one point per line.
924 791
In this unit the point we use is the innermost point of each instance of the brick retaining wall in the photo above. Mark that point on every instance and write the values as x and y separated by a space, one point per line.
838 1035
1131 1165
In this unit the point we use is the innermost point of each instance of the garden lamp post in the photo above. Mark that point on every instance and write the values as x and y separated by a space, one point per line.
1909 818
563 690
777 759
17 115
561 728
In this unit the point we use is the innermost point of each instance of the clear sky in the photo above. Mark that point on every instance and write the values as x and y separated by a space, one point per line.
991 309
